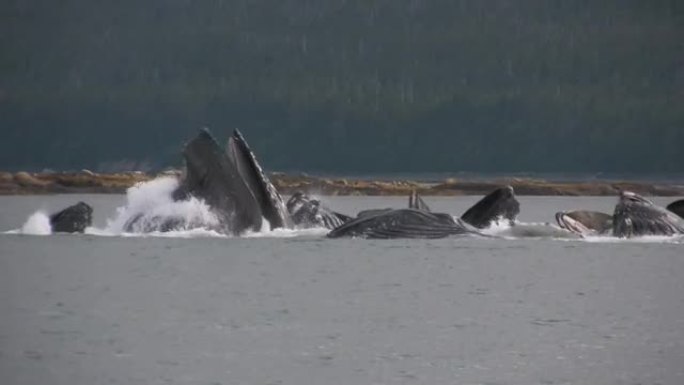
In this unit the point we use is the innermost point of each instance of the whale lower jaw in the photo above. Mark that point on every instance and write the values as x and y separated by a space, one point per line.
566 222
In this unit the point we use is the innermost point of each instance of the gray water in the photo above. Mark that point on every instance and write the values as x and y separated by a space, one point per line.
297 308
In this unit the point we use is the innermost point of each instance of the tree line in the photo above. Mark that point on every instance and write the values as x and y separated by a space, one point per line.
345 85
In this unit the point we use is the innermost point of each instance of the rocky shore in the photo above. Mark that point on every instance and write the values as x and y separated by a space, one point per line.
86 182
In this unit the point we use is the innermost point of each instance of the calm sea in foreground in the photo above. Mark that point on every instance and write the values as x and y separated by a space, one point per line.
292 307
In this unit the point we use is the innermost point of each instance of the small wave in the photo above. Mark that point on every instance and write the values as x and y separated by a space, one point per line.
497 227
518 230
287 233
543 230
675 239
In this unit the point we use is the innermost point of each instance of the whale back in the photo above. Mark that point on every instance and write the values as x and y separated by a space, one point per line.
210 175
401 223
636 216
270 201
500 203
677 207
369 212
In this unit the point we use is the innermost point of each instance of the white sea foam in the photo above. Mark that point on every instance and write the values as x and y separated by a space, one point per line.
503 228
150 203
676 239
37 224
521 230
287 233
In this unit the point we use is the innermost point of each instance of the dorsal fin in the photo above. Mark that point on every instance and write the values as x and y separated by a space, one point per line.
416 202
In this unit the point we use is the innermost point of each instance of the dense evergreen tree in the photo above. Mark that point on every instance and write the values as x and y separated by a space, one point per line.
346 85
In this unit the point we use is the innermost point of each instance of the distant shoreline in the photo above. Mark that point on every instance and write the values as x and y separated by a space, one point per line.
86 182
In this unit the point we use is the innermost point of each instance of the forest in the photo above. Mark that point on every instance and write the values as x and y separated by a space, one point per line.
345 86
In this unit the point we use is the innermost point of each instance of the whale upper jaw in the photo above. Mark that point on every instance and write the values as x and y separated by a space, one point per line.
267 196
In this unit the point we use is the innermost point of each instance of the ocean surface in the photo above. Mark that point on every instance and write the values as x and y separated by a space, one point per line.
530 306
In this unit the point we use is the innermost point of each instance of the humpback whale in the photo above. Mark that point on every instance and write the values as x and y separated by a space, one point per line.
270 201
73 219
636 216
307 212
677 207
500 203
633 216
585 222
210 175
401 223
230 181
418 221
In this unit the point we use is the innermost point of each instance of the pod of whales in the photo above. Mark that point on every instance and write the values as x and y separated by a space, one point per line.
232 183
418 221
633 216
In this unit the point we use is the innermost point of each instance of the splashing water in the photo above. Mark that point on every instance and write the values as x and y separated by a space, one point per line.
150 208
37 224
503 228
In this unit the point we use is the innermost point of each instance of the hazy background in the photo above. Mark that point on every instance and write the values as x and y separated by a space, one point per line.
346 86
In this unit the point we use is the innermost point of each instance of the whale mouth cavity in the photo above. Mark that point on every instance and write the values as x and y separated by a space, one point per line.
567 222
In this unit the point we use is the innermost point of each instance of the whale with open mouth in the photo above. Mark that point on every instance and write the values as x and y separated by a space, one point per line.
585 223
230 181
637 216
633 216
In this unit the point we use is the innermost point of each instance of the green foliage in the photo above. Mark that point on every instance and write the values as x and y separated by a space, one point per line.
346 85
